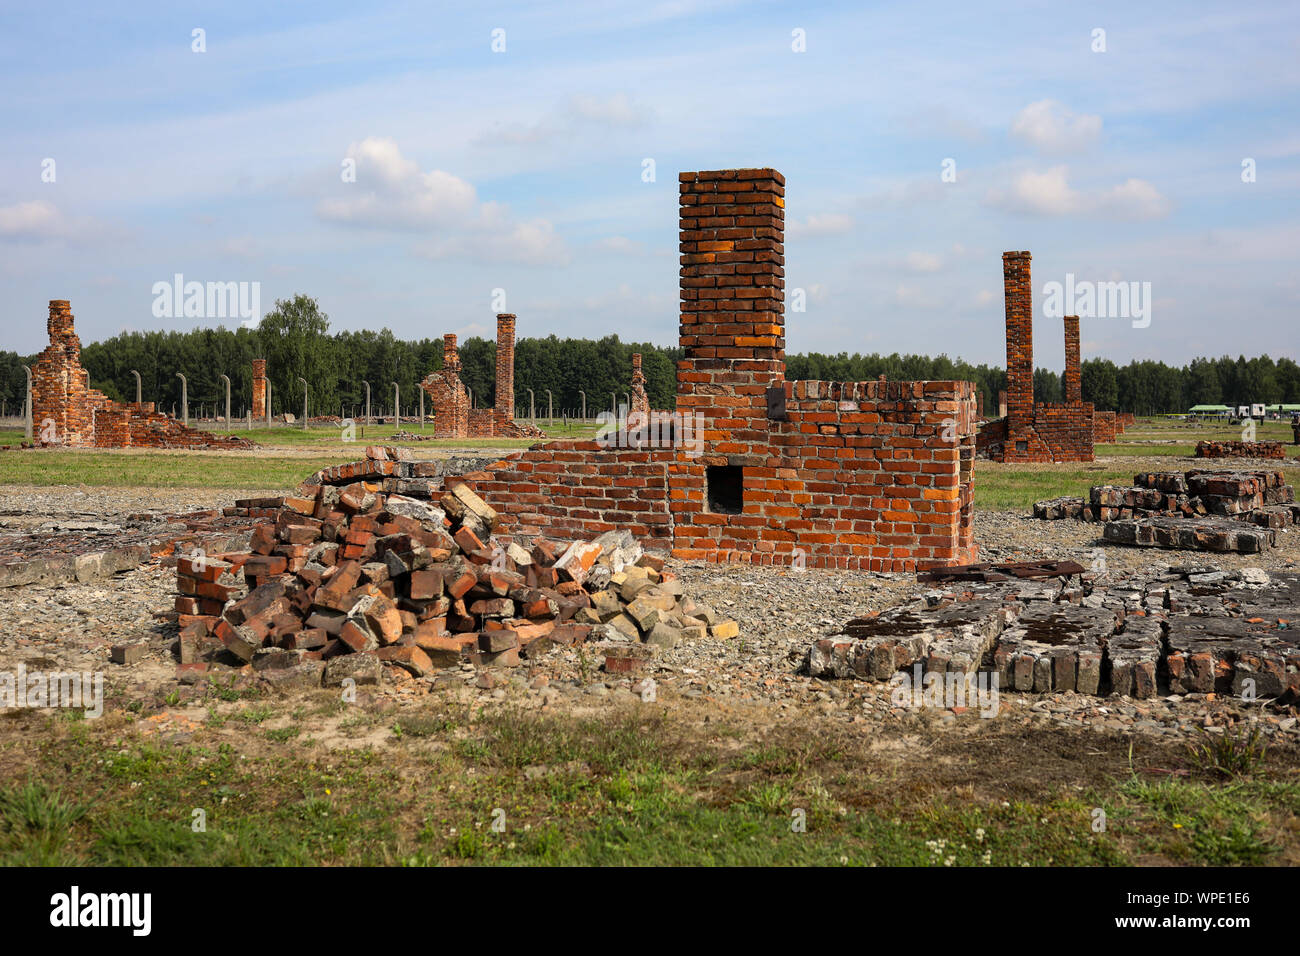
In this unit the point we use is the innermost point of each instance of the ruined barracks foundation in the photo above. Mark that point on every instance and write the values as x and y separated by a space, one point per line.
67 411
454 414
1029 431
860 475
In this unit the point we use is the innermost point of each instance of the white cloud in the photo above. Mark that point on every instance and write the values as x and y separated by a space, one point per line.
240 247
1049 193
393 193
827 224
578 114
532 243
923 262
619 244
1052 127
1138 197
32 220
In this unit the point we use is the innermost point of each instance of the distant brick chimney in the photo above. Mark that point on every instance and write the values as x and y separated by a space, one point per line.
259 388
505 395
1018 291
1073 383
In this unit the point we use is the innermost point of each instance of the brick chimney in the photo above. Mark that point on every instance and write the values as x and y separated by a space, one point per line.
1073 382
259 388
505 396
732 224
1018 291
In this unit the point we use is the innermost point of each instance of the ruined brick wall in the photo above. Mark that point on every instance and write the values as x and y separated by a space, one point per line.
865 475
481 423
1072 382
67 410
448 394
640 400
1105 427
505 384
862 475
580 489
452 415
259 388
1065 431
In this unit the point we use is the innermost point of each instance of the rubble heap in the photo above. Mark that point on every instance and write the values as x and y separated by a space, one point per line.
1239 449
1184 630
348 577
1205 510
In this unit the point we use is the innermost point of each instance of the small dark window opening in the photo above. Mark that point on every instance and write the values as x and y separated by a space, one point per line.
1022 446
725 489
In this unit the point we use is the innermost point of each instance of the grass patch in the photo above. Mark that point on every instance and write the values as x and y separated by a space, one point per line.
632 787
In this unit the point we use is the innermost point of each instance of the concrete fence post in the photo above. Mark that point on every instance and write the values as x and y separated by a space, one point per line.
185 400
225 378
27 413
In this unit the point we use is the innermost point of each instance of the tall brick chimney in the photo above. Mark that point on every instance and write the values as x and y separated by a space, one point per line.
732 225
1018 291
505 397
1073 383
259 388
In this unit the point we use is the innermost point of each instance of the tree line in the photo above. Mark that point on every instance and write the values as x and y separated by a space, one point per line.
296 341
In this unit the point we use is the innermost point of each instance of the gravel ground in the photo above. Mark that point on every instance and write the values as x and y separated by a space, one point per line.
779 611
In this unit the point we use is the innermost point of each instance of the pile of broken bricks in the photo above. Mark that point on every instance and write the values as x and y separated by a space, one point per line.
1179 631
1198 510
342 582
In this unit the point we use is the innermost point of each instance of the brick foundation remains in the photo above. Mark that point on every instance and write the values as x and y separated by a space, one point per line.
1240 449
1174 631
66 411
1197 510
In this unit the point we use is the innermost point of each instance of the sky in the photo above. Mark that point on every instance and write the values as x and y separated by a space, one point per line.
422 166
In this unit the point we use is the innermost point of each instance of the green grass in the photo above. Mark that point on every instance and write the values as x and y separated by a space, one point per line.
1000 487
291 437
261 470
630 788
161 469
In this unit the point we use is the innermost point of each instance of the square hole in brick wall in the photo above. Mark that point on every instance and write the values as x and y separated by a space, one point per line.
725 489
1022 446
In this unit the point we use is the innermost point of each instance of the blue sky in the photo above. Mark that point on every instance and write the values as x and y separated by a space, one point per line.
522 170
